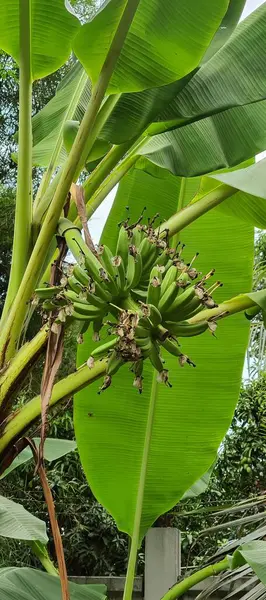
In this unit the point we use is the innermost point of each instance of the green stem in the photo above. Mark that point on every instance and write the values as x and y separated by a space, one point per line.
110 182
21 361
99 122
22 231
21 420
12 328
40 551
141 489
183 586
196 209
99 174
230 307
59 143
180 205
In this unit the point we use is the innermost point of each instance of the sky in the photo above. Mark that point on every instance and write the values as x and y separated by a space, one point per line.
99 218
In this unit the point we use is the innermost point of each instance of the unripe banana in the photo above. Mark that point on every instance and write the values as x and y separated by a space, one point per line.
155 315
90 299
139 294
47 292
97 325
185 329
169 277
138 271
183 281
141 331
122 247
104 348
114 363
53 304
147 250
168 298
88 309
155 359
74 284
171 347
131 269
154 290
150 260
137 236
138 368
102 293
81 275
179 305
82 317
107 260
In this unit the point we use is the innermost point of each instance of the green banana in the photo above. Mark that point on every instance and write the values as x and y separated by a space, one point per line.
88 309
122 274
168 298
97 325
81 275
137 236
141 331
107 260
154 291
102 293
138 270
82 317
104 348
171 347
122 247
114 363
155 315
169 277
139 294
179 305
74 284
89 299
150 261
186 329
48 292
155 358
183 280
53 305
131 269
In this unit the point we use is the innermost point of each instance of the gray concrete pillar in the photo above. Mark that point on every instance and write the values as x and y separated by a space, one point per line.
162 561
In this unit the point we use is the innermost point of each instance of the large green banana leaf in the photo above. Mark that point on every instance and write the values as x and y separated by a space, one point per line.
190 419
53 449
232 77
166 41
52 30
30 584
19 524
223 140
228 24
69 102
249 201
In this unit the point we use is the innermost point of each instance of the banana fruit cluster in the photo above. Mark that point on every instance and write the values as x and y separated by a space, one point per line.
144 292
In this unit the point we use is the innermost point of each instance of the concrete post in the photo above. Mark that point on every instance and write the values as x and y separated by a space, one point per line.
162 561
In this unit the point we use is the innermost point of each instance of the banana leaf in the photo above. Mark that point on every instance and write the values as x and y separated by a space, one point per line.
189 420
230 78
28 584
164 43
19 524
52 29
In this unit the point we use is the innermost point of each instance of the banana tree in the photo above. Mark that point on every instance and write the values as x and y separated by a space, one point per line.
168 101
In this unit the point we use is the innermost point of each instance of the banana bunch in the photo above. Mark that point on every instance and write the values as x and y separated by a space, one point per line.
145 286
